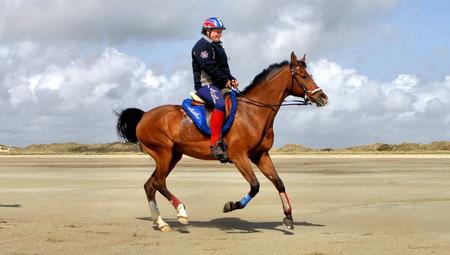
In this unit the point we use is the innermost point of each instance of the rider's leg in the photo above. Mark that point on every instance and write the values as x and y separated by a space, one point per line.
216 125
215 98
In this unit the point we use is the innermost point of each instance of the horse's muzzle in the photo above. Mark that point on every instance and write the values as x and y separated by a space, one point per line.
320 98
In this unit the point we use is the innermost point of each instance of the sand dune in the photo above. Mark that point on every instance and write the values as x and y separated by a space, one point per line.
439 147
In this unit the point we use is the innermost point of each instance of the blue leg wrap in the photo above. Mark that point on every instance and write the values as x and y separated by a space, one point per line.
244 201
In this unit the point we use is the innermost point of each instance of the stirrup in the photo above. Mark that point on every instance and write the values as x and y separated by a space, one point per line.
219 151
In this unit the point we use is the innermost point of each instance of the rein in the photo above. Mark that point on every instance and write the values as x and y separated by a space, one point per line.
261 104
306 100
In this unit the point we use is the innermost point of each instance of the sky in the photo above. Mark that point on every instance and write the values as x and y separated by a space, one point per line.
65 66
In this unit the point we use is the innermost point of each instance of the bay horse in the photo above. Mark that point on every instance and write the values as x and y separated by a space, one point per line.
166 133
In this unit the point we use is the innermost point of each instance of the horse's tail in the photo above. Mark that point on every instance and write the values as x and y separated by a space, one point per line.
127 121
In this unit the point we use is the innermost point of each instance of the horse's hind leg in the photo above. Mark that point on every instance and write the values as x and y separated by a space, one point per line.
150 192
165 162
160 185
265 164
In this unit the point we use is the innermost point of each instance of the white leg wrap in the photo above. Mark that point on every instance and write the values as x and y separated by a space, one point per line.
181 211
182 214
154 210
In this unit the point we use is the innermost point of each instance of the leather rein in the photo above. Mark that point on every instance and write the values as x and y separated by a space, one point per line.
305 101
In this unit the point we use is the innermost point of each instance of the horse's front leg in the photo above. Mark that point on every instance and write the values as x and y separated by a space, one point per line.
265 164
245 167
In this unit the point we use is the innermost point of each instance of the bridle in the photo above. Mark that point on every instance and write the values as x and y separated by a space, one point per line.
306 101
294 71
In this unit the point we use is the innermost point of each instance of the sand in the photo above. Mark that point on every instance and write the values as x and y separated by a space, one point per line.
342 205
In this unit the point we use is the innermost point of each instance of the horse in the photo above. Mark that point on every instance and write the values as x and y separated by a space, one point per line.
166 133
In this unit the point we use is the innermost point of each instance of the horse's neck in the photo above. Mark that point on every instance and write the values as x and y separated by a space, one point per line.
271 92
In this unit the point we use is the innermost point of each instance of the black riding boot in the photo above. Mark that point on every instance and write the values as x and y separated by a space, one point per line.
219 151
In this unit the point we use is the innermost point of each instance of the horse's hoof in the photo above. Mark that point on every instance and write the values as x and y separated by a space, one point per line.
228 207
288 223
183 220
162 225
182 214
165 228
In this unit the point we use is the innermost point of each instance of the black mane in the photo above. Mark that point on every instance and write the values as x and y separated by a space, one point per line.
266 73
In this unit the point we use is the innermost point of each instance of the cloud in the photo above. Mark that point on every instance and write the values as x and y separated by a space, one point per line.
313 27
363 111
90 21
117 21
259 32
75 102
63 68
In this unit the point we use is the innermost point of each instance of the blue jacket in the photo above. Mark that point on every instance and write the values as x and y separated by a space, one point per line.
210 64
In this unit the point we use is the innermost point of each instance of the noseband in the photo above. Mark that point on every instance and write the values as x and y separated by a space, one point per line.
294 71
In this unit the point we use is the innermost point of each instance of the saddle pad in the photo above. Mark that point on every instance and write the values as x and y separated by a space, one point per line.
198 115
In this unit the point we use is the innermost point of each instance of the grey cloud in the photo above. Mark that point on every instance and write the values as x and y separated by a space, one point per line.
260 32
117 21
75 102
313 27
92 21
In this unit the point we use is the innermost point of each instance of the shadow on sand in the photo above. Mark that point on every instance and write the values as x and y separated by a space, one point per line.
10 205
233 225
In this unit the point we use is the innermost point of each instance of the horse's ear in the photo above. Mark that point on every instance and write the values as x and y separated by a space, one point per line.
293 59
304 58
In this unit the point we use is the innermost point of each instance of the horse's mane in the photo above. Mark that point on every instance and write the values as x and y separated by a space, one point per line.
265 74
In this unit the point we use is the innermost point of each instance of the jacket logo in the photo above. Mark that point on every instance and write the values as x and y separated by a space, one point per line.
204 54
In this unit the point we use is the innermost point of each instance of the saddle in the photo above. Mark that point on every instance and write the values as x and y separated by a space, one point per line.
197 110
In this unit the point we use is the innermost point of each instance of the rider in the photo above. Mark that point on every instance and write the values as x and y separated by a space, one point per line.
211 74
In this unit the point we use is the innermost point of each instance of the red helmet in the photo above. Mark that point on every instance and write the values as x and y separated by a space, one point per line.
213 23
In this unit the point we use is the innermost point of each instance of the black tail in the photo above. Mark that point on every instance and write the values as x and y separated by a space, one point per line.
127 122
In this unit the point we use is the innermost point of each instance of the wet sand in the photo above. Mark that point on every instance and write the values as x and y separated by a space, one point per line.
342 205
